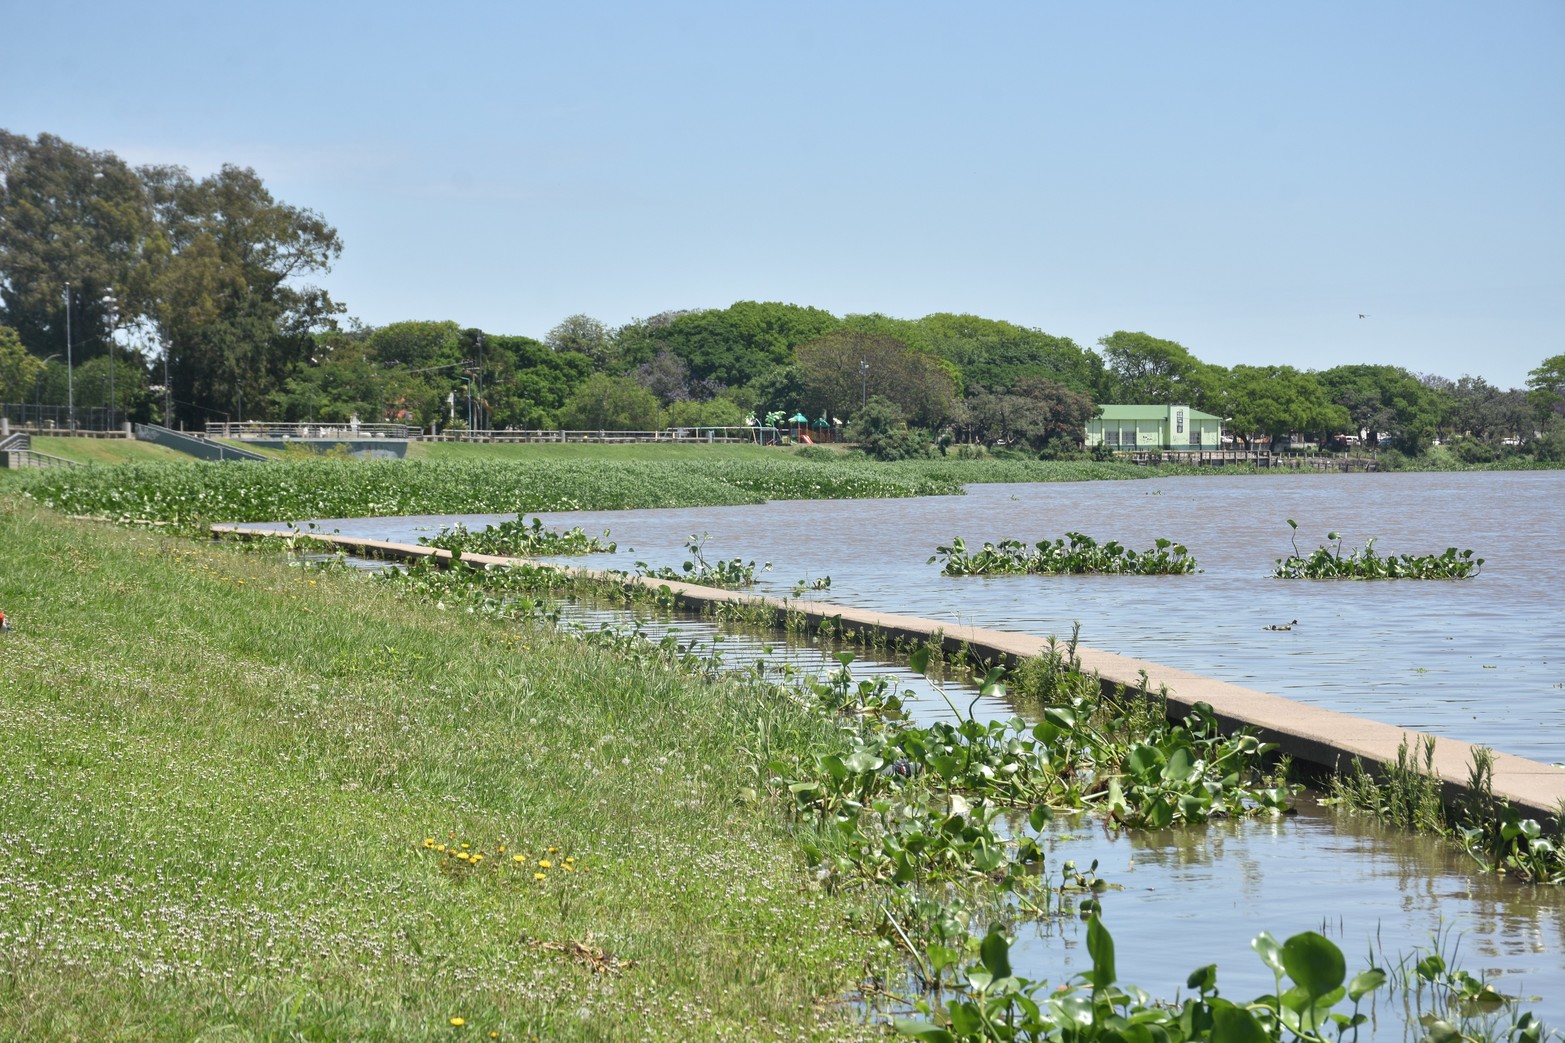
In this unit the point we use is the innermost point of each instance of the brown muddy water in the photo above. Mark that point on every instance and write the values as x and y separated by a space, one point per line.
1481 660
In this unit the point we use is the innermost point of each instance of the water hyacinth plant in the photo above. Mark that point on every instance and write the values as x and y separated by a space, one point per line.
1076 553
1331 563
728 574
195 493
517 538
994 1003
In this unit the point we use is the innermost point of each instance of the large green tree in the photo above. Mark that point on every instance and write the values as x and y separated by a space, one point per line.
71 217
605 403
994 354
846 366
528 382
20 372
1036 413
1142 369
231 308
1385 400
1279 400
1546 386
730 346
584 335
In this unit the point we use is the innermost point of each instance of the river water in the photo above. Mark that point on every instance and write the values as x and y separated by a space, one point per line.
1481 660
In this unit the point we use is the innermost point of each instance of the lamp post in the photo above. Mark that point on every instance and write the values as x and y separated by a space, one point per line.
468 380
70 373
863 383
111 306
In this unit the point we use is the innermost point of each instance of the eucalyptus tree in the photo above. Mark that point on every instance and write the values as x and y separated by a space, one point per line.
77 223
233 314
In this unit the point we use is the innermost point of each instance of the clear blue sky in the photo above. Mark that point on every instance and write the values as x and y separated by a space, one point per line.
1245 178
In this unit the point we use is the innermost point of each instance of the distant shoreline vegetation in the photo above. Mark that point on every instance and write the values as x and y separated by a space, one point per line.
210 271
293 490
194 494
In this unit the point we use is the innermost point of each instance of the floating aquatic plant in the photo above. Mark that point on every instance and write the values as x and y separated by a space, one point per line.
518 538
1330 563
1074 554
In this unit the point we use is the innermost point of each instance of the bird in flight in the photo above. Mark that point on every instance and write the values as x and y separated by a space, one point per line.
1363 316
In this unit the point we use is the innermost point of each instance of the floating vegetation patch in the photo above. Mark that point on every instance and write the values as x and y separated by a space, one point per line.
1330 563
729 574
196 493
1076 553
517 538
992 1002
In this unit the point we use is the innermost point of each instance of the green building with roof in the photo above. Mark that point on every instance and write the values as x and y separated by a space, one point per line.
1155 428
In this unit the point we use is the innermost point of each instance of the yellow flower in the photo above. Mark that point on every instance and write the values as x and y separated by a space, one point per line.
440 847
478 858
462 855
464 845
540 876
552 850
429 841
458 1022
569 869
517 858
502 849
545 863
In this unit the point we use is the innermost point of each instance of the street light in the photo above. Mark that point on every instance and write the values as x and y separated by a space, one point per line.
70 375
469 382
112 307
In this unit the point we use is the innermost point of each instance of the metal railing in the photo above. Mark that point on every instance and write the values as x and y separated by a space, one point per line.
16 452
262 429
52 420
691 434
200 446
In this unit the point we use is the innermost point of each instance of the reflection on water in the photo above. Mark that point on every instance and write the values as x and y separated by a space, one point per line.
1477 660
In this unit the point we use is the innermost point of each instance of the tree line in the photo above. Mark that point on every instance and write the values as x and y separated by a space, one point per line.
185 299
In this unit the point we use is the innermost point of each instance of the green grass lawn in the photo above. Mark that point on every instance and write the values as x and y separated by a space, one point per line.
105 450
225 781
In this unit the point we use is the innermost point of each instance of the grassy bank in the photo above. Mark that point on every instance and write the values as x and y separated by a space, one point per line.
106 450
225 781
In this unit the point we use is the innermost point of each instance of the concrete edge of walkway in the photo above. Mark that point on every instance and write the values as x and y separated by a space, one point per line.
1321 740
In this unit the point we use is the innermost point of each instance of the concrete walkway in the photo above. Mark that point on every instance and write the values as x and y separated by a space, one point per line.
1323 740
